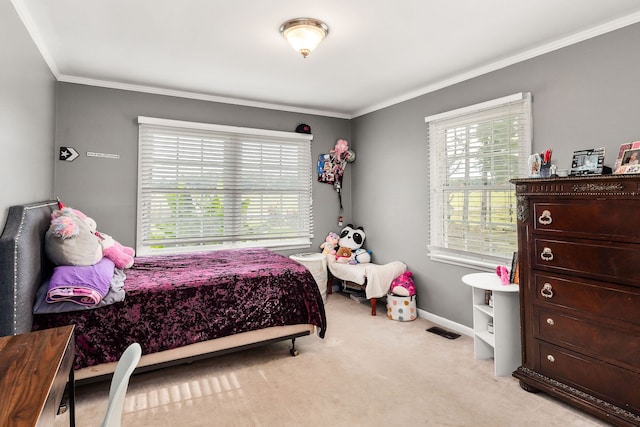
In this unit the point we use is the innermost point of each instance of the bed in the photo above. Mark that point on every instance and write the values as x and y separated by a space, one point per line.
179 308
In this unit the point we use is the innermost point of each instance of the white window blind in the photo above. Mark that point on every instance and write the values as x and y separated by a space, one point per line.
473 153
204 187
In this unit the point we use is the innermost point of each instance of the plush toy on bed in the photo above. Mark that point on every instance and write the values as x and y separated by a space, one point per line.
122 256
72 239
351 240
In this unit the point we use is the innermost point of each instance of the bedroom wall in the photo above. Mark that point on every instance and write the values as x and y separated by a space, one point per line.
584 96
27 101
105 121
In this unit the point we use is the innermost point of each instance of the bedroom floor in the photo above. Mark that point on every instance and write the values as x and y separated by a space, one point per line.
368 371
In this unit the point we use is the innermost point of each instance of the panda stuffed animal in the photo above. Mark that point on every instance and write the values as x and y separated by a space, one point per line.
350 246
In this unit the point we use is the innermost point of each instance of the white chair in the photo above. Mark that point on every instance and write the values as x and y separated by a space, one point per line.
119 384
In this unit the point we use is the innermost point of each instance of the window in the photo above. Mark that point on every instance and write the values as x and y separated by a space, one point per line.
473 153
203 187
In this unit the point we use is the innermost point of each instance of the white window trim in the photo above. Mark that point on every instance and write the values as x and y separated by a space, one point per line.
281 135
479 262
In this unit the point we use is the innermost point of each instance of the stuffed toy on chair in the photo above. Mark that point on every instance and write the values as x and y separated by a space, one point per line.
351 239
362 256
330 244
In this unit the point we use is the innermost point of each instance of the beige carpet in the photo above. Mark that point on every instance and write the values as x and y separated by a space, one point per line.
368 371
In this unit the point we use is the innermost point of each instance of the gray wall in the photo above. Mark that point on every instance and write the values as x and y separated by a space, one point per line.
27 93
105 121
584 96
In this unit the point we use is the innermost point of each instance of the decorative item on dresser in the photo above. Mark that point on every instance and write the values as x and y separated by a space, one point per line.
579 255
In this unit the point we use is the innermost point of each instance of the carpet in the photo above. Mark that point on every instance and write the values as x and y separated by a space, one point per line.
368 371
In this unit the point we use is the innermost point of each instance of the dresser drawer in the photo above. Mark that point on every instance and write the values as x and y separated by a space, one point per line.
602 380
590 337
606 261
608 219
594 298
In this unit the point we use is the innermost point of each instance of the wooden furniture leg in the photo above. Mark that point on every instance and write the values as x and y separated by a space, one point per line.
373 306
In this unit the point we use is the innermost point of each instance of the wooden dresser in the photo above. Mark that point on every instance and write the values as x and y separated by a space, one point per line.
579 254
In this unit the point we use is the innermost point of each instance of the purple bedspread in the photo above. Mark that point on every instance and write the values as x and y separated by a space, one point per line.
176 300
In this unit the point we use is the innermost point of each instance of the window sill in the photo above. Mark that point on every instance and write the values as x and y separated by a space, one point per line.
468 262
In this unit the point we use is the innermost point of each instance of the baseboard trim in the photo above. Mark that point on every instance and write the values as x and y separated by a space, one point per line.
445 323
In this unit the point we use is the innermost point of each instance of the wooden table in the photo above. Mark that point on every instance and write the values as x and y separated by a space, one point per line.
34 370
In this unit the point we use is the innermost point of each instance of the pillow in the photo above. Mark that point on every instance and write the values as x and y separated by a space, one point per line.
115 294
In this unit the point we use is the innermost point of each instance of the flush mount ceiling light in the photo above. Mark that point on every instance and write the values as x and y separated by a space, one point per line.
304 34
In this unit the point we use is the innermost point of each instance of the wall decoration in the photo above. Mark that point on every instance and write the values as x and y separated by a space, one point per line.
331 168
68 154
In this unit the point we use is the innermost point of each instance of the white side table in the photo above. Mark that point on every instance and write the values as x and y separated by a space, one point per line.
503 345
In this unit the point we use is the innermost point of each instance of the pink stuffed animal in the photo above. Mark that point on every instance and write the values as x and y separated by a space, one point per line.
403 285
330 244
122 256
107 246
70 239
503 274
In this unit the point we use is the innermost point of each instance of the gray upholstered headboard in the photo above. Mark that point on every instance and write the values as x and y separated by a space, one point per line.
23 264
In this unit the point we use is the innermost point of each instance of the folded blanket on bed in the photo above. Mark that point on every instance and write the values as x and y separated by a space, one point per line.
116 294
84 285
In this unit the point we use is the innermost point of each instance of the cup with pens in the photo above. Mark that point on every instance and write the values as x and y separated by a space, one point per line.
545 165
540 164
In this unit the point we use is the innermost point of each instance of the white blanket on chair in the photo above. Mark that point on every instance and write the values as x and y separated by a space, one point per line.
378 277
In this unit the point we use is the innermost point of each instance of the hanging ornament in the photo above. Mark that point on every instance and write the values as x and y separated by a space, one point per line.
350 156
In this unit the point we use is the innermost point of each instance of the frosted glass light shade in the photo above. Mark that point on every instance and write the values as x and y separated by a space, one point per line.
304 34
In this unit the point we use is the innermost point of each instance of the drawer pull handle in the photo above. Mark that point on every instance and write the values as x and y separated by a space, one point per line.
550 358
546 254
547 291
550 322
545 218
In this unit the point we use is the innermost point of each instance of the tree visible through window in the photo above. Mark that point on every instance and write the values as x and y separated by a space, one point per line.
214 187
474 152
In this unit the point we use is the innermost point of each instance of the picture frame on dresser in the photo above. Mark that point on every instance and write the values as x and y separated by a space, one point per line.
588 162
621 151
630 162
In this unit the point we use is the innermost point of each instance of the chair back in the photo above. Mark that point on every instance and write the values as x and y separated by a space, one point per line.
119 384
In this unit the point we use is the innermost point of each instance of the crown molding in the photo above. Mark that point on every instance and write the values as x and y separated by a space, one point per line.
197 96
532 53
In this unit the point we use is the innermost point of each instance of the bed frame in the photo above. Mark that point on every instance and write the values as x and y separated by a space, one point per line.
23 265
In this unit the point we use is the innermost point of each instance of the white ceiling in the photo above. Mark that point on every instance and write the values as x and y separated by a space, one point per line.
377 53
